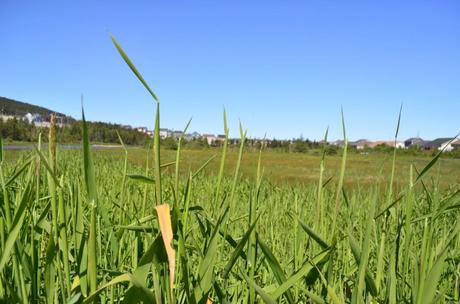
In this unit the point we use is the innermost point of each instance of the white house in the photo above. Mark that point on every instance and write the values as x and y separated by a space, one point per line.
398 144
6 117
177 134
210 138
413 142
164 133
450 145
360 144
391 143
30 118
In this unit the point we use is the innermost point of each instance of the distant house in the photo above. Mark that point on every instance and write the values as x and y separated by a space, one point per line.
193 135
165 133
127 127
413 142
391 143
32 118
28 117
210 138
450 145
443 144
6 117
44 124
177 134
397 144
360 144
440 144
142 129
455 144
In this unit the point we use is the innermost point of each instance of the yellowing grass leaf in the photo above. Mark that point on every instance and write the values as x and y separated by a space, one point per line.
164 220
75 283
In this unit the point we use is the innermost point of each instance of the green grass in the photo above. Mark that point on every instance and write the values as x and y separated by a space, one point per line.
292 168
283 168
94 226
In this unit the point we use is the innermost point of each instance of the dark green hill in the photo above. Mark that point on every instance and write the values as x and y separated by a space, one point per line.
18 108
18 129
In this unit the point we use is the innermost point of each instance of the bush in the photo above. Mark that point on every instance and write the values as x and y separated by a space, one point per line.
169 143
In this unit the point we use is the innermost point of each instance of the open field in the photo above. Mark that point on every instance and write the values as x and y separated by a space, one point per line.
295 168
272 259
108 226
304 168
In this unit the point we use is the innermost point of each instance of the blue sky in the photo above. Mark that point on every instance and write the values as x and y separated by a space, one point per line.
283 68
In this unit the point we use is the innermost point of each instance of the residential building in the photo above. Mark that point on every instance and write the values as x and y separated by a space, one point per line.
142 129
437 144
413 142
193 135
398 144
450 145
177 134
6 117
360 144
210 138
164 133
32 118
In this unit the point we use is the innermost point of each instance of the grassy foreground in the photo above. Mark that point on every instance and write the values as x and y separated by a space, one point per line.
82 227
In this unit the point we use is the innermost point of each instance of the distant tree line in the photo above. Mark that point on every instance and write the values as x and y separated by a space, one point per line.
100 132
297 145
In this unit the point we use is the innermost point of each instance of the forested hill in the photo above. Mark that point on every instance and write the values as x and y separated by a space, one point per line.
14 127
18 108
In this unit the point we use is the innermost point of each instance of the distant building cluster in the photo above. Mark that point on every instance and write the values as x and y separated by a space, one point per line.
445 144
442 144
35 119
167 133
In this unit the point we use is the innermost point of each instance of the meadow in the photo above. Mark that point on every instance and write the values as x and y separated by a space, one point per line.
303 168
226 226
282 168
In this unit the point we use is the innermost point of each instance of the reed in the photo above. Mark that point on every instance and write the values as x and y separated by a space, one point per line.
82 227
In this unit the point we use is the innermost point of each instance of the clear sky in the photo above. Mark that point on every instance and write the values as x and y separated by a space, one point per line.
283 68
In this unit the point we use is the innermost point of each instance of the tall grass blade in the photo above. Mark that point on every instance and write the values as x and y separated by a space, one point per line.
90 181
133 68
275 266
303 271
239 248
